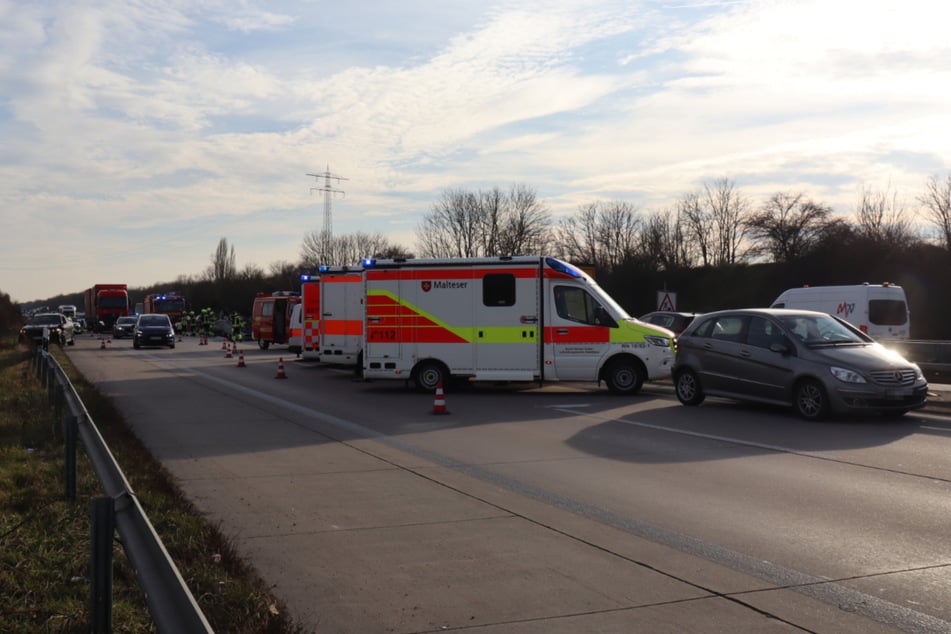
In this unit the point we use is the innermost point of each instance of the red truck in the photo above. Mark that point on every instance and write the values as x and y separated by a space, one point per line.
104 304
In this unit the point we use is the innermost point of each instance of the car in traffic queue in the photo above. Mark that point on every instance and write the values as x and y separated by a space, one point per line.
671 320
123 326
813 362
57 325
153 329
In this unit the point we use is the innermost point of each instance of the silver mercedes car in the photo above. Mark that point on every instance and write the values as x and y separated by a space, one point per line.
814 362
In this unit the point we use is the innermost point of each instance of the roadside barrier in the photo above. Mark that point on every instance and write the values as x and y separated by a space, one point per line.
171 603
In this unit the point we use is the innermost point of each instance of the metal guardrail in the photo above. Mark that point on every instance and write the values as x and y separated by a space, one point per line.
933 357
171 603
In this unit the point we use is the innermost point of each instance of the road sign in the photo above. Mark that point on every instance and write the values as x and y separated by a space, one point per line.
666 300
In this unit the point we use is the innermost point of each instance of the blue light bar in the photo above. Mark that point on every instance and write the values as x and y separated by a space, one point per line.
563 267
368 263
305 277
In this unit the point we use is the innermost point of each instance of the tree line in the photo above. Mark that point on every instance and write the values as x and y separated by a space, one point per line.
787 239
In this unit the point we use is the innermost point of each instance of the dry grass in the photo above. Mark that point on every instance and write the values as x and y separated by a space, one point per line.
45 540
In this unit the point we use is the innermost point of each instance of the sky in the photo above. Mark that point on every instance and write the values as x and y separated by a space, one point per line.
135 134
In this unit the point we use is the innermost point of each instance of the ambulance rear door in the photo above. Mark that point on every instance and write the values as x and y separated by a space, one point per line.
342 317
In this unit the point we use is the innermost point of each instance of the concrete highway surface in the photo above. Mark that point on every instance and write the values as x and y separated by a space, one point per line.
545 510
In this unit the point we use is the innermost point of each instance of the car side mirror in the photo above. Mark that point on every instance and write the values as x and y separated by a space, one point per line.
780 348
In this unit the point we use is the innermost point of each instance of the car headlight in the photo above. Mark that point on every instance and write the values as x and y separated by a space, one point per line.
654 340
847 376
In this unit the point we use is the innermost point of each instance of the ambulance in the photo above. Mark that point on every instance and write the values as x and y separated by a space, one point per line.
520 318
342 315
878 310
310 317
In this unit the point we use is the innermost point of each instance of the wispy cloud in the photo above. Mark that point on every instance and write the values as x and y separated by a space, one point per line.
177 123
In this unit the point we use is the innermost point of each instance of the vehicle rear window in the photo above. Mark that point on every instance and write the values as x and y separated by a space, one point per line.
887 312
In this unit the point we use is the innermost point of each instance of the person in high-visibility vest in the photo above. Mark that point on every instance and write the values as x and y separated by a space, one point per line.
237 327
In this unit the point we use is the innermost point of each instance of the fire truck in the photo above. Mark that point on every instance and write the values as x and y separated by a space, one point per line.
271 317
521 318
342 315
171 304
310 316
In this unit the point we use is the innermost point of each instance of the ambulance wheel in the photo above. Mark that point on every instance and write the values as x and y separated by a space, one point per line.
429 374
263 345
624 376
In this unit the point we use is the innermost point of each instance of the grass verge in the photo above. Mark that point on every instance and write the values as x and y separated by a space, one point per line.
45 540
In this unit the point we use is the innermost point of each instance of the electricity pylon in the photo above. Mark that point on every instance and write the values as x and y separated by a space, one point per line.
326 237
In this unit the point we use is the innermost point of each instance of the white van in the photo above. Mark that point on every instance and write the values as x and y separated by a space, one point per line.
879 310
295 339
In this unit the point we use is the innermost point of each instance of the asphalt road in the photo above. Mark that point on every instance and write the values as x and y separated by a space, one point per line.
562 509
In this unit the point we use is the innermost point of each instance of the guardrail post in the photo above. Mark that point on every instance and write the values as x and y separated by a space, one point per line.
103 532
71 433
59 399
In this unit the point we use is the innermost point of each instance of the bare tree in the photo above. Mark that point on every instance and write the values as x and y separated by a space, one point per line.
936 203
526 228
453 226
484 223
347 249
728 210
788 226
664 242
881 218
223 264
696 225
603 234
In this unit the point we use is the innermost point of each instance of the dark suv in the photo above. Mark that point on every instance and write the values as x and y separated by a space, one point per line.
59 325
153 329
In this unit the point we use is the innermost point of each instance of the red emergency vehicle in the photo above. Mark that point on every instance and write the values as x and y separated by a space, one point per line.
271 317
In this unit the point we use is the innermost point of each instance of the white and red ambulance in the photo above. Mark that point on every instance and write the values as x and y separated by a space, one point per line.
342 315
310 317
523 318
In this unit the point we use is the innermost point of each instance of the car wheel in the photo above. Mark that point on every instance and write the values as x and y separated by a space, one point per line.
624 376
810 400
263 345
429 374
687 386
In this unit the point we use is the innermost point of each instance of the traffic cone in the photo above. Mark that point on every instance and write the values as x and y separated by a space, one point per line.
102 343
224 344
241 359
228 354
280 369
439 405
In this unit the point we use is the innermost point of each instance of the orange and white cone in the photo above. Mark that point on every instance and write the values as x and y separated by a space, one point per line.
439 405
241 359
280 369
102 343
224 344
228 354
